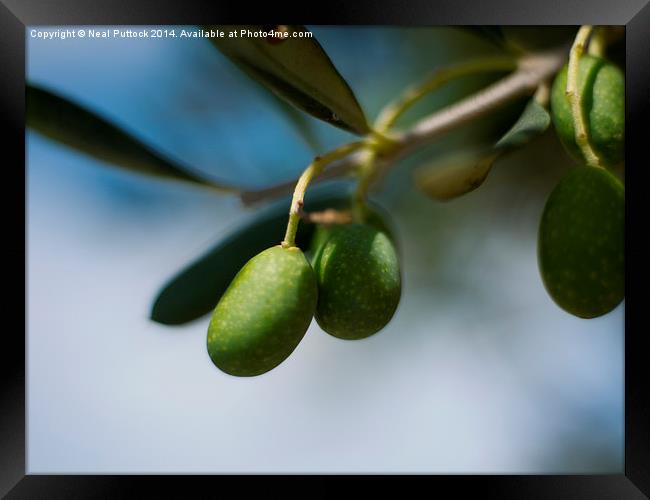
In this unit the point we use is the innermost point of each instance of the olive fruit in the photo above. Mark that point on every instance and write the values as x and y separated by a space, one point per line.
373 215
359 282
602 87
318 240
581 242
378 220
264 313
195 290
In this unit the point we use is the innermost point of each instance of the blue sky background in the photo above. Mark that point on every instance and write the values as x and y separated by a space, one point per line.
478 372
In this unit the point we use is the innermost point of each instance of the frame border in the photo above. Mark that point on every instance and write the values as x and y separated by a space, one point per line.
16 15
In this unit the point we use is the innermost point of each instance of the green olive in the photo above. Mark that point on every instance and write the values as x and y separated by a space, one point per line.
581 242
374 216
359 282
264 313
602 86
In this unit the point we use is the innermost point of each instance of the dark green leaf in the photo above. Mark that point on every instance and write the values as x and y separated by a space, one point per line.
196 290
538 38
532 122
492 34
302 123
296 69
64 121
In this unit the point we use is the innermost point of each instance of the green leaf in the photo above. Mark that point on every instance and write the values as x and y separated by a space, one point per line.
64 121
457 175
538 38
195 290
302 123
454 177
533 122
296 69
492 34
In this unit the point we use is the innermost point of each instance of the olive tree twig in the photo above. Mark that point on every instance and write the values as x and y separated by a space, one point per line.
532 70
574 96
316 167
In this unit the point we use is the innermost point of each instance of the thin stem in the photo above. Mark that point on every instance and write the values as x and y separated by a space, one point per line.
397 108
531 71
221 189
381 145
575 98
366 168
329 216
543 94
597 43
315 168
338 169
391 113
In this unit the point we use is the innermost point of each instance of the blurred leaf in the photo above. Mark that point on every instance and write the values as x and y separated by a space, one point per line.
518 39
532 122
535 38
64 121
298 70
492 34
196 290
302 123
453 177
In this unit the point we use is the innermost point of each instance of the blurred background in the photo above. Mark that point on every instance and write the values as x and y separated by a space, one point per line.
478 372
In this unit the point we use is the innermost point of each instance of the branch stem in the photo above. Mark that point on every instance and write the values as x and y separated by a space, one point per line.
531 70
366 170
597 43
389 115
314 169
574 95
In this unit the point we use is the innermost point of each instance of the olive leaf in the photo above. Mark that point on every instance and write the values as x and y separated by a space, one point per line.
195 290
302 123
533 121
69 123
457 175
492 34
519 39
538 38
296 69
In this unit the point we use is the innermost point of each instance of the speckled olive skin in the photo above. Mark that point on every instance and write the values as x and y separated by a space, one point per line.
318 240
264 313
581 242
373 217
602 86
359 282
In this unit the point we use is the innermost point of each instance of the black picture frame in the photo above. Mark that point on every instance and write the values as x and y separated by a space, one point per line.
15 15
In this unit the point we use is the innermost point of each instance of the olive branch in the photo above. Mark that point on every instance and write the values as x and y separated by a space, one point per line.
300 74
530 71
